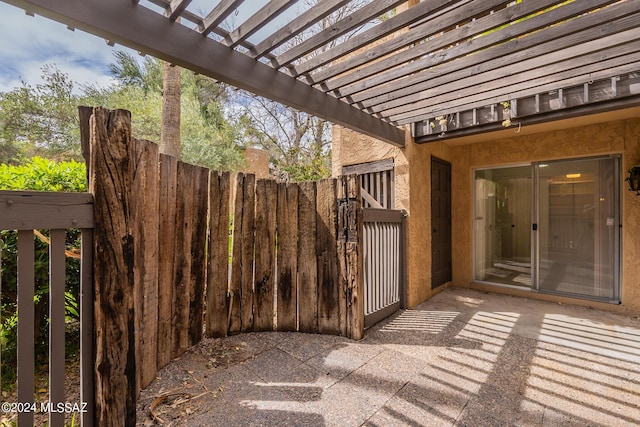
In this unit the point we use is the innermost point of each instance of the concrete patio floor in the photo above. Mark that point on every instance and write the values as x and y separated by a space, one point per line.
463 358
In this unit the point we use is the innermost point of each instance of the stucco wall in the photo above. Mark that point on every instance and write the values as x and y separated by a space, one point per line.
413 189
620 137
412 193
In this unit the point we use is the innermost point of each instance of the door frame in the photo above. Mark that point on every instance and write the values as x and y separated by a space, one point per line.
448 277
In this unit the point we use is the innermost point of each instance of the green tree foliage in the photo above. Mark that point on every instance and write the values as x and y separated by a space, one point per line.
299 144
40 120
208 139
41 175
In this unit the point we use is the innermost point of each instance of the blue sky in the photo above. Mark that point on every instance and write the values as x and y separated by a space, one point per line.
27 43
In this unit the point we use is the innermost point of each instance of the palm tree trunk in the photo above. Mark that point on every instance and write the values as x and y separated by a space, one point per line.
170 134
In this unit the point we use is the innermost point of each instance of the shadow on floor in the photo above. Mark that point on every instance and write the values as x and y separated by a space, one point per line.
463 358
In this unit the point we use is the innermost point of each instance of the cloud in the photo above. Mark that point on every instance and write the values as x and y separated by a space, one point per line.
27 43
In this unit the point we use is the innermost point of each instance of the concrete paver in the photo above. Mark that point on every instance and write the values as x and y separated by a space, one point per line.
463 358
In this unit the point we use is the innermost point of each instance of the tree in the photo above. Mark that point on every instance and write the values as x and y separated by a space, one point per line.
299 144
40 120
205 136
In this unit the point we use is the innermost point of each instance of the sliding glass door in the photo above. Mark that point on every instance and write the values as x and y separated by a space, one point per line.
552 227
503 225
578 227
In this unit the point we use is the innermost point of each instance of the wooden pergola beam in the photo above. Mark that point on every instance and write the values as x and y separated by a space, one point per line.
345 86
126 23
572 77
385 28
585 53
319 11
354 20
258 20
218 14
176 8
406 89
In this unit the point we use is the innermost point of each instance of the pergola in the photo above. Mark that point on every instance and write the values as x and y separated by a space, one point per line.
445 67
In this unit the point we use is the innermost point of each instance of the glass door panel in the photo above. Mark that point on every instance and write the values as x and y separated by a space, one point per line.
577 221
503 226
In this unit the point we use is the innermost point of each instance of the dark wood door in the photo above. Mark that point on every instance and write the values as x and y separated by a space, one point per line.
440 222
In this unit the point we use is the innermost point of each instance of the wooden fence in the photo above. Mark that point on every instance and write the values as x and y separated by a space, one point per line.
164 272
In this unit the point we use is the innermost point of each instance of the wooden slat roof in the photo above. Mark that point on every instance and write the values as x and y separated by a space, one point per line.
435 59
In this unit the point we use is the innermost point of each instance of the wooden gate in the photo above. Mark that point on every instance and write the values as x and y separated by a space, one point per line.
383 249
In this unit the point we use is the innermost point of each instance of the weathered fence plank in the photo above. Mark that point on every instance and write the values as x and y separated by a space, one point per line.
248 242
307 264
243 253
329 309
166 255
218 263
145 218
350 255
287 230
182 285
265 254
198 253
234 317
111 184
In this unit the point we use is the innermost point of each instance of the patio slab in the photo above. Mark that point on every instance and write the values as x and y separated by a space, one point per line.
463 358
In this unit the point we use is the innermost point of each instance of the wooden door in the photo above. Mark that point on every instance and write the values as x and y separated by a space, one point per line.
440 222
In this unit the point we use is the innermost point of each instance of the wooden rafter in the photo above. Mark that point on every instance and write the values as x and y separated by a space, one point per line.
401 91
268 13
586 54
393 24
176 8
354 20
308 18
446 57
142 29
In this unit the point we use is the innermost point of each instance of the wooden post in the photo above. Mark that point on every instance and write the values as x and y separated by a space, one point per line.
350 255
198 253
84 115
166 255
111 171
182 286
307 264
327 257
241 315
145 219
265 254
218 263
287 229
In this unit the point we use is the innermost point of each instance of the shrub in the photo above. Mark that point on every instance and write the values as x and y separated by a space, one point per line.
40 175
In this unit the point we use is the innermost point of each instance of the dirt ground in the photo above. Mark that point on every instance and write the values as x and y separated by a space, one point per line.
179 388
72 395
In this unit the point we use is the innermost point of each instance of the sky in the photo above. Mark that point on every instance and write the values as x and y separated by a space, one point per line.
28 43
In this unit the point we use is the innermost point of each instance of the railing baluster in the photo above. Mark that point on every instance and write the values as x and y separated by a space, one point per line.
26 313
57 275
86 328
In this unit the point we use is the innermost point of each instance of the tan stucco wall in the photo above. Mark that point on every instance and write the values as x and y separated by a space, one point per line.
412 193
413 189
618 137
